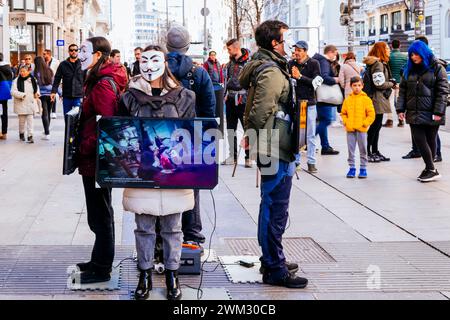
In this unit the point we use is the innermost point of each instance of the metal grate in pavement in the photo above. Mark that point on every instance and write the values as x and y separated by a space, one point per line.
299 250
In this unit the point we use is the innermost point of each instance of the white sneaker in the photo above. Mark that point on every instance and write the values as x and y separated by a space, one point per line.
53 115
46 137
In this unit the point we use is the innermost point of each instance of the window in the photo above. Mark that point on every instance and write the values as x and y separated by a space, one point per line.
360 29
384 23
409 20
28 5
448 24
297 17
397 20
372 27
429 25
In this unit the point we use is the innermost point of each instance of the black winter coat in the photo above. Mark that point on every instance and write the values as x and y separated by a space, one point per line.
309 70
72 78
178 103
424 95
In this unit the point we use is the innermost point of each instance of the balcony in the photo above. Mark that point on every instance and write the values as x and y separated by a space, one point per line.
384 30
397 27
409 27
372 33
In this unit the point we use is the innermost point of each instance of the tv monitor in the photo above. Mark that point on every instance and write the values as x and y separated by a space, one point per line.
72 120
157 153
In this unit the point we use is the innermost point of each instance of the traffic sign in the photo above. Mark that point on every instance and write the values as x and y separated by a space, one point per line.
60 43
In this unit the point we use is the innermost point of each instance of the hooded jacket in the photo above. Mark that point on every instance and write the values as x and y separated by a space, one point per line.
381 76
181 65
234 69
72 78
358 112
6 77
271 95
102 100
24 102
349 70
181 105
424 94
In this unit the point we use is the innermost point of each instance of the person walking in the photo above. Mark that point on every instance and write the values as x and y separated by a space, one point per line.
267 79
196 79
53 63
397 63
44 77
103 86
349 70
72 77
306 71
236 99
358 114
325 111
25 91
378 87
422 102
135 69
6 77
215 71
157 94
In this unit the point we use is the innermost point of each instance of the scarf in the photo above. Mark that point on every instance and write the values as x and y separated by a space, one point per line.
21 84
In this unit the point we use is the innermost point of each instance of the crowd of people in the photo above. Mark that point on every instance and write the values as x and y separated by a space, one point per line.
254 90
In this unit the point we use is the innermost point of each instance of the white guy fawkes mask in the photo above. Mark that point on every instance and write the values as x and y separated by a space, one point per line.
379 79
86 55
152 64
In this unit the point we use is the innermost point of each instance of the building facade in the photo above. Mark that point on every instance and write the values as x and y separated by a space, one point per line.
4 29
386 20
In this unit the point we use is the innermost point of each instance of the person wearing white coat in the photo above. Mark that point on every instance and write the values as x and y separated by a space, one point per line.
157 94
25 92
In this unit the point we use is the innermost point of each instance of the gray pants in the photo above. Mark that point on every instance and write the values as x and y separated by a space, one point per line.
359 138
171 234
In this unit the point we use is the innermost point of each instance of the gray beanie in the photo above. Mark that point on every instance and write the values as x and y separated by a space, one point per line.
178 39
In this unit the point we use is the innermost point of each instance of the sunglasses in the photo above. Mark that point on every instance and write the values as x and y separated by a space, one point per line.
74 50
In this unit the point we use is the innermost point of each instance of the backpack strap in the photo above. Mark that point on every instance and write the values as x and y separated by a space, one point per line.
113 85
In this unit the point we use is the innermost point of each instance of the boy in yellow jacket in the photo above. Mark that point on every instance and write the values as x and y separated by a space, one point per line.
358 114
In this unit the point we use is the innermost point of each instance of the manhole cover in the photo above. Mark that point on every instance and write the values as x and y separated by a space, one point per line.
300 250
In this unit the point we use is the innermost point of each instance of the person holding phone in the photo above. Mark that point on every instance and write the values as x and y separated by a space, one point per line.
422 103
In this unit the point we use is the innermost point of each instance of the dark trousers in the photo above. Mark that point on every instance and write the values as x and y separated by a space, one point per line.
219 108
53 106
4 116
415 149
192 222
46 113
425 138
373 136
273 217
325 118
234 115
100 215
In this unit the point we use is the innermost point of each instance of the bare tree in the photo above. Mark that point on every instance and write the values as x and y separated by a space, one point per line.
254 11
238 9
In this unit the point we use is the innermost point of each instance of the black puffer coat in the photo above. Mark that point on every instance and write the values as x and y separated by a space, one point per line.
138 102
423 95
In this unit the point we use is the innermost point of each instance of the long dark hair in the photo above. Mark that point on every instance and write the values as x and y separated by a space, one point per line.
100 44
167 85
42 71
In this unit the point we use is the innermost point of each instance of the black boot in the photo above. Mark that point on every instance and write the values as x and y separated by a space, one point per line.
22 137
145 285
173 286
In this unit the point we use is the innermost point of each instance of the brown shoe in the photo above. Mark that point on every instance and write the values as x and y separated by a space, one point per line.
389 124
401 123
248 164
3 136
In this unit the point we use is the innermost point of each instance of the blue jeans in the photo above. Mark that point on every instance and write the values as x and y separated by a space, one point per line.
273 217
325 116
311 124
69 104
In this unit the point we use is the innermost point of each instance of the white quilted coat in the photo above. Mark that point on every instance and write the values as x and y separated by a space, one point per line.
24 102
156 202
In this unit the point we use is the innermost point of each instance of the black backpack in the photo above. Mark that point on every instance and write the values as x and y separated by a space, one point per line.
369 86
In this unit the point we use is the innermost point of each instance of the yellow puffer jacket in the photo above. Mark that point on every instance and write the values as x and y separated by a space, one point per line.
358 113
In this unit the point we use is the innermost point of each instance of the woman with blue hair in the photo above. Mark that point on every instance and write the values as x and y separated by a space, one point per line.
422 102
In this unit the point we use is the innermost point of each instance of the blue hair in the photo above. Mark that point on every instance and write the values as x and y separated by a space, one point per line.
421 49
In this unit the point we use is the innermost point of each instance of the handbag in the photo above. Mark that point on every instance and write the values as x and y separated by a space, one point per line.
330 94
39 109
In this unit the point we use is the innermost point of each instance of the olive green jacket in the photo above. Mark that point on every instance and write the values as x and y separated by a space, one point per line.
266 98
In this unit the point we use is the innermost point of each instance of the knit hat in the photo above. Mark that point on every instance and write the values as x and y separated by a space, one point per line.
178 39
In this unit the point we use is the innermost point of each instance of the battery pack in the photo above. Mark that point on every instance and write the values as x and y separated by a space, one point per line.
190 263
